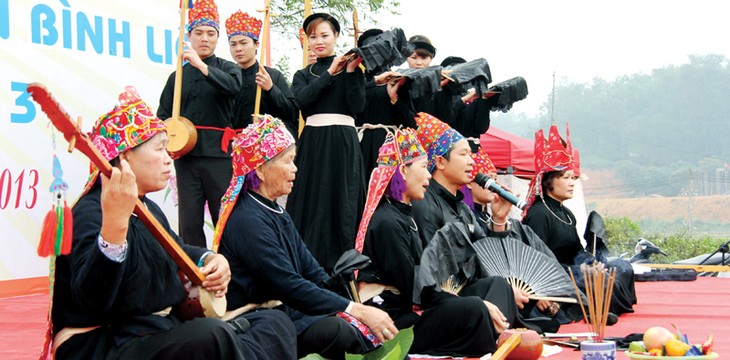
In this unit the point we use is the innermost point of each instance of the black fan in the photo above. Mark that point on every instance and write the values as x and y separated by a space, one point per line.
506 93
384 50
471 74
525 268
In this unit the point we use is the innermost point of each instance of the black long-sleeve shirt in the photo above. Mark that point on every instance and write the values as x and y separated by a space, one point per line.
206 100
92 290
318 92
393 246
269 261
278 102
555 225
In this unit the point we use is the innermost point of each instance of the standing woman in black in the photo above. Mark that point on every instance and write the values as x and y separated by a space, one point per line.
329 194
387 103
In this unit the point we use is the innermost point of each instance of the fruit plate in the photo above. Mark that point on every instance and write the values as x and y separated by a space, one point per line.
651 357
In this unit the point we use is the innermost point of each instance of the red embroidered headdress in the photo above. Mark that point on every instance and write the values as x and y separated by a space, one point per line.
203 13
241 23
551 154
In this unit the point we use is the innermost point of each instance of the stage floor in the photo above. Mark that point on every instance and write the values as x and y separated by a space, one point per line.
699 308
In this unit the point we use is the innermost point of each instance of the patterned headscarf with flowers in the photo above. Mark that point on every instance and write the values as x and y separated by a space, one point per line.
436 136
203 13
241 23
130 123
401 147
255 145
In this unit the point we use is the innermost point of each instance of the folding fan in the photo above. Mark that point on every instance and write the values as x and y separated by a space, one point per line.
524 267
471 74
507 93
384 50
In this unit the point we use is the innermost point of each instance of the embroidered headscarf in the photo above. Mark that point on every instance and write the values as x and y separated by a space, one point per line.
256 144
130 123
482 162
401 147
551 154
241 23
436 136
203 13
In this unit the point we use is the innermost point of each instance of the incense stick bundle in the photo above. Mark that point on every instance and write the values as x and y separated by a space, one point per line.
599 283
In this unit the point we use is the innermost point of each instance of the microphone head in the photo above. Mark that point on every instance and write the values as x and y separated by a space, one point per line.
481 179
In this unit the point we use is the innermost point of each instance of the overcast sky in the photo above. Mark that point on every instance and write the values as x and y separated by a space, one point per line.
577 39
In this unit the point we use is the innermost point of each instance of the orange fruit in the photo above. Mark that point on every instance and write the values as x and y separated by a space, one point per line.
675 347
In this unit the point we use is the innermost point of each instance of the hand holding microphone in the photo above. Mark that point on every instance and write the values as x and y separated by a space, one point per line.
488 183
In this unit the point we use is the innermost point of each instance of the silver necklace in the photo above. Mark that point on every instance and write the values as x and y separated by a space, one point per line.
569 222
277 211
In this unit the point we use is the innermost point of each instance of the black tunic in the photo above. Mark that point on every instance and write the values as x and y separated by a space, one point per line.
438 208
269 261
458 326
472 120
329 192
555 225
379 110
440 105
121 297
278 102
206 100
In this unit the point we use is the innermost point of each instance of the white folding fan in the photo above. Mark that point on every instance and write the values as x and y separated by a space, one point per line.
525 268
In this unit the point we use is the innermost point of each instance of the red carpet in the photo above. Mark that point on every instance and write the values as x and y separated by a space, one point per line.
699 308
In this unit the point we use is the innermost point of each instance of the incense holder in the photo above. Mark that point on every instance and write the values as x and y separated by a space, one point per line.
605 350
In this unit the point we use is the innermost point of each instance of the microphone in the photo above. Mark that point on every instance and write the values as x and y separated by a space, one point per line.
488 183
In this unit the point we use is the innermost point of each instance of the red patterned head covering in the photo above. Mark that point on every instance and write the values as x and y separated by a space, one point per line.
255 145
482 163
551 154
203 13
401 147
130 123
241 23
436 136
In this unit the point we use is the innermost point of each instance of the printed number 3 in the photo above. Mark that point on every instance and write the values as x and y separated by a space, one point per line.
23 100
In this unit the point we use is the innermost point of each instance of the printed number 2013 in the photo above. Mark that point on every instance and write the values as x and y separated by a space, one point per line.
23 187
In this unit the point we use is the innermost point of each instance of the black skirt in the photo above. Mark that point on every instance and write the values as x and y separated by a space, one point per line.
329 192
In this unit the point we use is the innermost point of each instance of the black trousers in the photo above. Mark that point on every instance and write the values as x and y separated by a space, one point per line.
200 179
195 339
459 326
331 337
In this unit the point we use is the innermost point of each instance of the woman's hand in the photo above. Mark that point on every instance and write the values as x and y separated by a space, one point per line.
353 63
498 319
338 63
118 198
217 274
377 320
521 298
392 89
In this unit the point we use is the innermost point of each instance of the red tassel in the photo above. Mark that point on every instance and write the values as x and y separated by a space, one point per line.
68 228
48 234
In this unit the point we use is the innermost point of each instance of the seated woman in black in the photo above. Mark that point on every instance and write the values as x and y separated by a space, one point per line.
459 326
269 260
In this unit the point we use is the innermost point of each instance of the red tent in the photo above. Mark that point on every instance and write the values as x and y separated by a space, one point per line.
507 150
